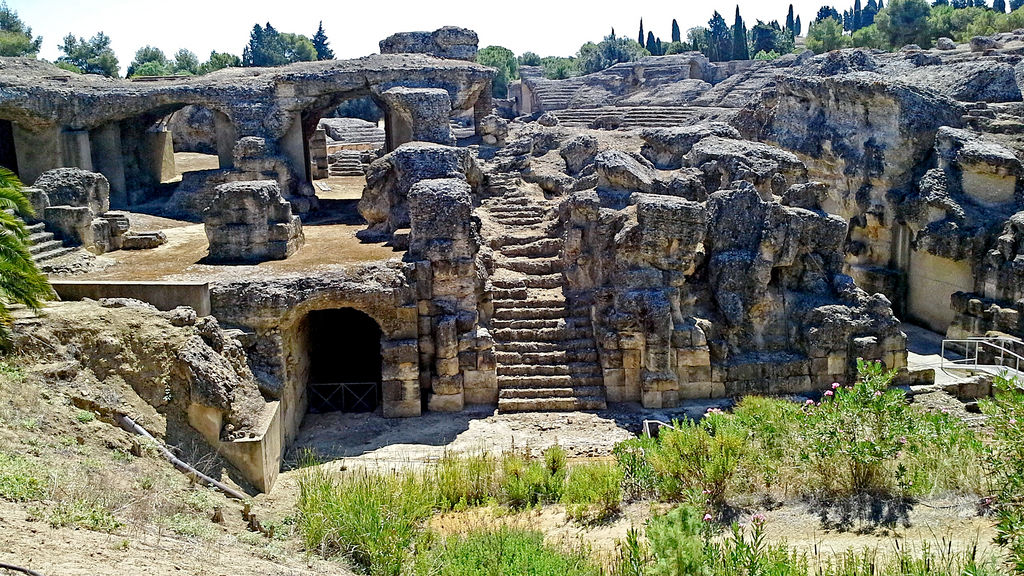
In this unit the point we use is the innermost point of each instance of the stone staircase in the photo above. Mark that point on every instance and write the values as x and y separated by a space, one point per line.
555 94
345 163
638 116
544 343
44 245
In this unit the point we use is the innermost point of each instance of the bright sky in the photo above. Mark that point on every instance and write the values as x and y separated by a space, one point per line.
548 27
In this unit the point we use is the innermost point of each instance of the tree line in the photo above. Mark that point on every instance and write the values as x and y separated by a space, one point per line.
94 55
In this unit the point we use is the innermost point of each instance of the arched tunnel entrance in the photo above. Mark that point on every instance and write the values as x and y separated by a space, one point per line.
345 361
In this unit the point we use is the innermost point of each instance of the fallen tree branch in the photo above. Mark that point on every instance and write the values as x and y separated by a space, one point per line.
130 425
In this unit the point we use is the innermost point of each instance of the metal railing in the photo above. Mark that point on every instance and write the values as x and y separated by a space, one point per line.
988 355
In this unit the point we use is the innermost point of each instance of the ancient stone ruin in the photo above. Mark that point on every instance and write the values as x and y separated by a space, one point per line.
664 230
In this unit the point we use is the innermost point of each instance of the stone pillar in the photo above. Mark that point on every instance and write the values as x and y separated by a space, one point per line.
400 378
76 150
37 151
109 161
483 107
251 222
227 135
417 115
318 162
159 156
294 149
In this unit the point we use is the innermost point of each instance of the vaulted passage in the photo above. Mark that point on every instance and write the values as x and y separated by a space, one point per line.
345 361
8 158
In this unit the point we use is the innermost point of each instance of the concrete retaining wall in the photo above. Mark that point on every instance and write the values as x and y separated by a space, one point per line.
163 295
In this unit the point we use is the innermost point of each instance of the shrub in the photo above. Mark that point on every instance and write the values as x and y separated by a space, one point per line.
526 482
465 480
855 431
371 518
18 482
700 457
639 479
1007 461
593 492
505 551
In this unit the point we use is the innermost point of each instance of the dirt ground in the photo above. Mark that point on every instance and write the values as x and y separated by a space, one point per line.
330 242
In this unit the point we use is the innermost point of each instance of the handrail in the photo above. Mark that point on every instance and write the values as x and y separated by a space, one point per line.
1007 361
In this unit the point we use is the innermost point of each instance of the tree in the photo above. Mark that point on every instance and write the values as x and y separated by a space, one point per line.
790 23
827 35
268 47
826 12
905 22
218 61
868 16
799 27
185 62
504 61
651 44
858 17
938 3
529 59
676 36
1016 4
719 39
640 38
16 38
869 37
881 5
20 279
697 38
92 56
596 57
558 68
151 55
321 45
740 50
999 6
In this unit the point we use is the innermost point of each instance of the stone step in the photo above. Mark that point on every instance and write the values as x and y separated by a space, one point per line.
517 208
43 247
510 313
531 281
559 381
523 237
518 370
561 392
36 228
502 304
543 248
541 334
570 404
50 255
533 266
534 346
572 356
40 237
528 323
523 221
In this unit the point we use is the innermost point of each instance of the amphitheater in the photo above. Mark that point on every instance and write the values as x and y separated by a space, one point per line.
662 231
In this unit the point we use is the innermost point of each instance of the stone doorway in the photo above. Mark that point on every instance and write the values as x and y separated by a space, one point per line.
345 362
8 158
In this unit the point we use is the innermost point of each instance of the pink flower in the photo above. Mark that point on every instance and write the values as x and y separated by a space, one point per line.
878 393
707 517
829 393
903 439
809 402
1012 421
835 385
759 519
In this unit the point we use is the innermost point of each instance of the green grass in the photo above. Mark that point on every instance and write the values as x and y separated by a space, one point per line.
83 514
499 552
593 492
19 481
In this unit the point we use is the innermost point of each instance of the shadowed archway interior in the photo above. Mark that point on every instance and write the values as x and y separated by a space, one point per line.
345 361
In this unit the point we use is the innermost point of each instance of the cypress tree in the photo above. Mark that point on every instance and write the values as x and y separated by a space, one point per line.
1016 4
740 50
640 39
999 6
652 45
323 49
881 5
790 23
858 16
799 27
867 18
676 36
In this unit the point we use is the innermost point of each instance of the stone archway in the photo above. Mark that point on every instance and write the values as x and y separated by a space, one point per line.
345 362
